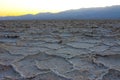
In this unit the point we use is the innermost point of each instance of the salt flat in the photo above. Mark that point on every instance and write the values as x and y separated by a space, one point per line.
60 50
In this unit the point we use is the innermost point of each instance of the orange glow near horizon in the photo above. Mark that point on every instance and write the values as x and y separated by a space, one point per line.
22 7
24 12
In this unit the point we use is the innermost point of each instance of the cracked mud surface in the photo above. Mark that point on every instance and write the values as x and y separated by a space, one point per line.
60 50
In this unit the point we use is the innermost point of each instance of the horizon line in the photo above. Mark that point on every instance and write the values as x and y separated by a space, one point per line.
60 11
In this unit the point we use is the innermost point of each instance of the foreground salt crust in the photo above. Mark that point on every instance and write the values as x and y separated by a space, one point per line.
60 50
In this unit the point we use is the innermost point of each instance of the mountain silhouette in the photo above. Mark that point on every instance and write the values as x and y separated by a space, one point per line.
111 12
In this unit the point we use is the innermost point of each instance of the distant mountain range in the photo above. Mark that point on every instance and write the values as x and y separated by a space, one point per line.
111 12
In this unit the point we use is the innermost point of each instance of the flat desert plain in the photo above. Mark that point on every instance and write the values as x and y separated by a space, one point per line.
60 50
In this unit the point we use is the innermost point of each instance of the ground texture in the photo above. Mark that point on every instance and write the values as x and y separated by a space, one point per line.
60 50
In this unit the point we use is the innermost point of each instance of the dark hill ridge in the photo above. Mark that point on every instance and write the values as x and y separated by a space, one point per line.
111 12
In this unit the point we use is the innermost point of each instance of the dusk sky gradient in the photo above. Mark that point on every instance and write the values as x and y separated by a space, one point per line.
22 7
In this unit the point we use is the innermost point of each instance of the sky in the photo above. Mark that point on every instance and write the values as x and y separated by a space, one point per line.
22 7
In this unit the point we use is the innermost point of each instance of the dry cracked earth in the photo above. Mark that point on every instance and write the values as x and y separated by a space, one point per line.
60 50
